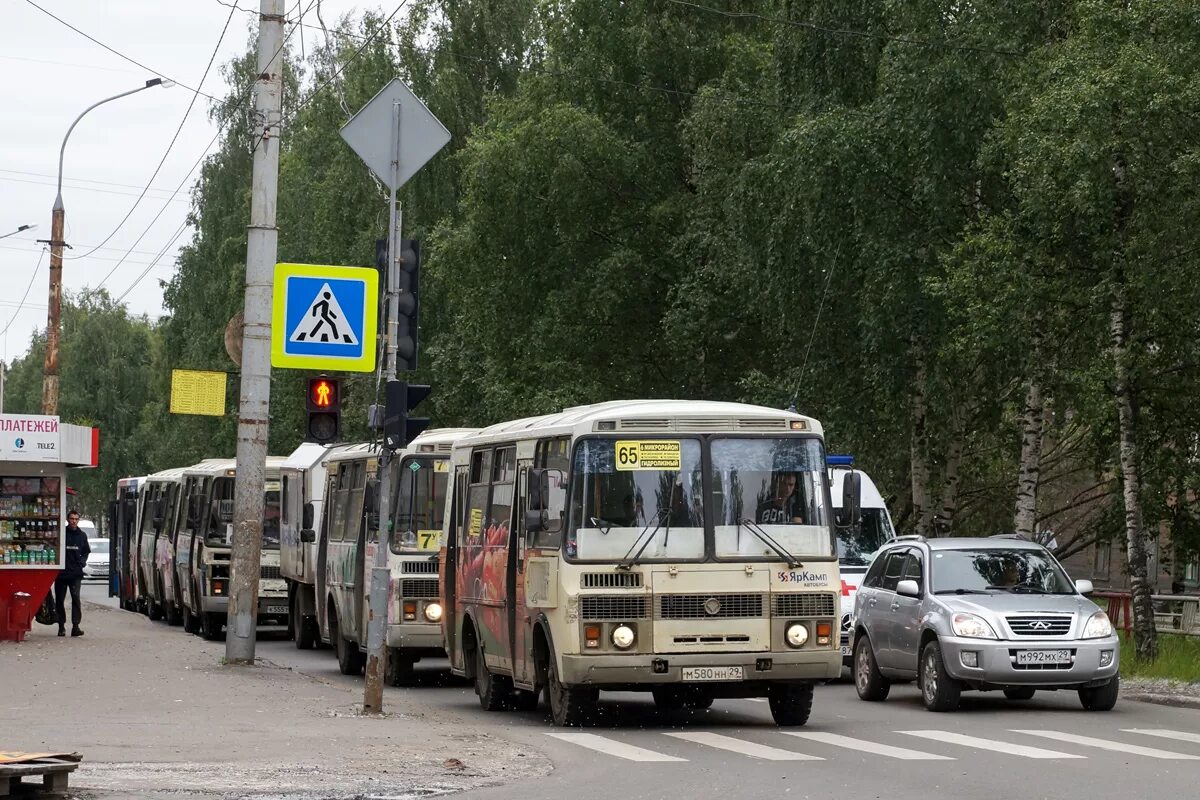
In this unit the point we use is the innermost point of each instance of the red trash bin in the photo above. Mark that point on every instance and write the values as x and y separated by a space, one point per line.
20 615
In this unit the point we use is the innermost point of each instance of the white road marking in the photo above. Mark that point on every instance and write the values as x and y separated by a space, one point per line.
613 748
1104 744
989 744
1182 736
864 746
745 748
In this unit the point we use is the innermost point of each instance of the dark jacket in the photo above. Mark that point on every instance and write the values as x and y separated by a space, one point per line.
77 551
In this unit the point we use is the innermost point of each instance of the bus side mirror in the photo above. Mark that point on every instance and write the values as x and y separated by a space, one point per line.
537 490
371 504
308 536
193 513
851 499
308 516
536 521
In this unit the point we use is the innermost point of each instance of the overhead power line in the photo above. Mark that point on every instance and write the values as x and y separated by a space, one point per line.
25 296
114 51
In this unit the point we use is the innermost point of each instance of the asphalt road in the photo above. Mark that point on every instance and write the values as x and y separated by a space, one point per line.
992 748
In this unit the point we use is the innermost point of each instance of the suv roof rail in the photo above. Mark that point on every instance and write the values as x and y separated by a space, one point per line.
1016 536
911 537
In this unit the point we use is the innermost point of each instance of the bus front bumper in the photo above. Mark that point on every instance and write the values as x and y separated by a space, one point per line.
645 671
415 636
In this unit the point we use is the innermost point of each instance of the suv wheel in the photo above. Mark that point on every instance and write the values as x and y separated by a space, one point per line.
939 691
1101 698
868 680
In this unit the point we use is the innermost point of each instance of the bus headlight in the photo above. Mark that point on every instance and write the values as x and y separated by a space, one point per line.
433 612
796 634
623 637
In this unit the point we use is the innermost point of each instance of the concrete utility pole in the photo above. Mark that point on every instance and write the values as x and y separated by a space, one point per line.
254 408
57 219
381 575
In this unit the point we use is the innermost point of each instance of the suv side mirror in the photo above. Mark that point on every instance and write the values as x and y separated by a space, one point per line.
1084 587
908 588
307 516
851 498
308 536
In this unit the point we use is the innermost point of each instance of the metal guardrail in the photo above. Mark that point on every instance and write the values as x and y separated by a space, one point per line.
1173 613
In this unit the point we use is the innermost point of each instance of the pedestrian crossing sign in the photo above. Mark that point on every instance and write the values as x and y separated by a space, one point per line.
324 318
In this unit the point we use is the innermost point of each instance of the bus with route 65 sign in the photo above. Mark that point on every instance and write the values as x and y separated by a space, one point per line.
685 548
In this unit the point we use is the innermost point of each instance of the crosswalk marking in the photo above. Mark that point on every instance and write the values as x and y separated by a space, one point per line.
989 744
1182 736
864 746
745 748
613 748
1105 744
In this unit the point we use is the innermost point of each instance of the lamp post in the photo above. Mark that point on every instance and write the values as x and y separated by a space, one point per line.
18 230
57 219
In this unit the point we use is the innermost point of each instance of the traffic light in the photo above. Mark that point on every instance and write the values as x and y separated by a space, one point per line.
409 306
323 402
398 427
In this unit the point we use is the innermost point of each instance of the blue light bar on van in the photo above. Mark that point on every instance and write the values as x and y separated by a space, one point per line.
839 461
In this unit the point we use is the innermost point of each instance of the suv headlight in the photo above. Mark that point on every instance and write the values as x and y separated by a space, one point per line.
1097 626
972 627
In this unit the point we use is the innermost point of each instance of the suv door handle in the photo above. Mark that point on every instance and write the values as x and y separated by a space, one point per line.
895 606
871 602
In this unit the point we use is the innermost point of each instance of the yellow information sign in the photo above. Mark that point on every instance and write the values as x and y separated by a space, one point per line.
198 392
649 454
429 540
475 529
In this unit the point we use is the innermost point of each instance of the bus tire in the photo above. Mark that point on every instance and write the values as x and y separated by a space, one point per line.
401 668
791 703
173 615
350 659
493 690
210 625
191 623
569 707
304 628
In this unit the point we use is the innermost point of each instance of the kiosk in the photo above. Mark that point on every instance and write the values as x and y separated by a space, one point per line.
35 453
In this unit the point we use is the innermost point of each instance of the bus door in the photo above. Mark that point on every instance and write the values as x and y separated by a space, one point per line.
518 616
455 527
324 531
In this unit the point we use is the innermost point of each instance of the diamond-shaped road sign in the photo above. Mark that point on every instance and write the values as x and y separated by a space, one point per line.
369 133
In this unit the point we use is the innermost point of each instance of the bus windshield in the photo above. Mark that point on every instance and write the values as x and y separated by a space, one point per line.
857 548
769 490
627 495
219 530
418 504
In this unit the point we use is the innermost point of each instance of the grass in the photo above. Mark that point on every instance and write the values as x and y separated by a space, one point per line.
1178 659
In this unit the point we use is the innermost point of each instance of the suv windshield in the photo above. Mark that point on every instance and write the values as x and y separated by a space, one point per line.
857 548
998 569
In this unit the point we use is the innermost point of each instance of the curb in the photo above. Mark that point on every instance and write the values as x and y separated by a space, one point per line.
1178 701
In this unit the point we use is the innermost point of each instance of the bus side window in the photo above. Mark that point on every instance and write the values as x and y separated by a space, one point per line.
553 455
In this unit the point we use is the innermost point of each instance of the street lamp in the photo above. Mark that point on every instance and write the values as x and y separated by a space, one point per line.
57 220
18 230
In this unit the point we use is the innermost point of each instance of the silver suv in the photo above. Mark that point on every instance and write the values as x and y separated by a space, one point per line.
995 613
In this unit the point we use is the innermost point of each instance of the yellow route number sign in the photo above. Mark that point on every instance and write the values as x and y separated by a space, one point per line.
198 392
657 454
429 540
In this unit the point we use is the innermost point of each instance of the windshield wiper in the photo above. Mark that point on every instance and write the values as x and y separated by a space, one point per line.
602 525
770 542
963 591
627 561
1016 587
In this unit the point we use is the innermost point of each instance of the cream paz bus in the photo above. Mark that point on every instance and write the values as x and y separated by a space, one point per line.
684 548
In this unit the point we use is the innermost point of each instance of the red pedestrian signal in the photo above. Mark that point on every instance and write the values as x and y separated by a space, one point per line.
324 406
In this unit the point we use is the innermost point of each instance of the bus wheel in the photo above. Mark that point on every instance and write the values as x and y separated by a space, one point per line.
210 625
401 669
791 703
350 659
191 623
569 707
154 610
493 690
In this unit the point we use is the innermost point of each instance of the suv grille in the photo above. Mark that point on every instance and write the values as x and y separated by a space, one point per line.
803 605
419 587
611 580
709 606
1039 625
612 607
269 572
419 567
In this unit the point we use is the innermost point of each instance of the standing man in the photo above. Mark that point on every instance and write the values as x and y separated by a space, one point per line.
76 556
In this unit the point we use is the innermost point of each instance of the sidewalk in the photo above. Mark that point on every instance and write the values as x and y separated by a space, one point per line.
153 711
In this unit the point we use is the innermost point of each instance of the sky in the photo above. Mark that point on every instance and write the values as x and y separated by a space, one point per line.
48 75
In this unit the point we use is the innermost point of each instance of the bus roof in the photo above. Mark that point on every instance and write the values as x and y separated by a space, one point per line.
652 416
306 456
217 467
167 476
438 439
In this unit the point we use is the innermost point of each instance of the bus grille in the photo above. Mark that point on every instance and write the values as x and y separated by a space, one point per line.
419 567
612 607
803 605
419 588
269 572
611 580
709 606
